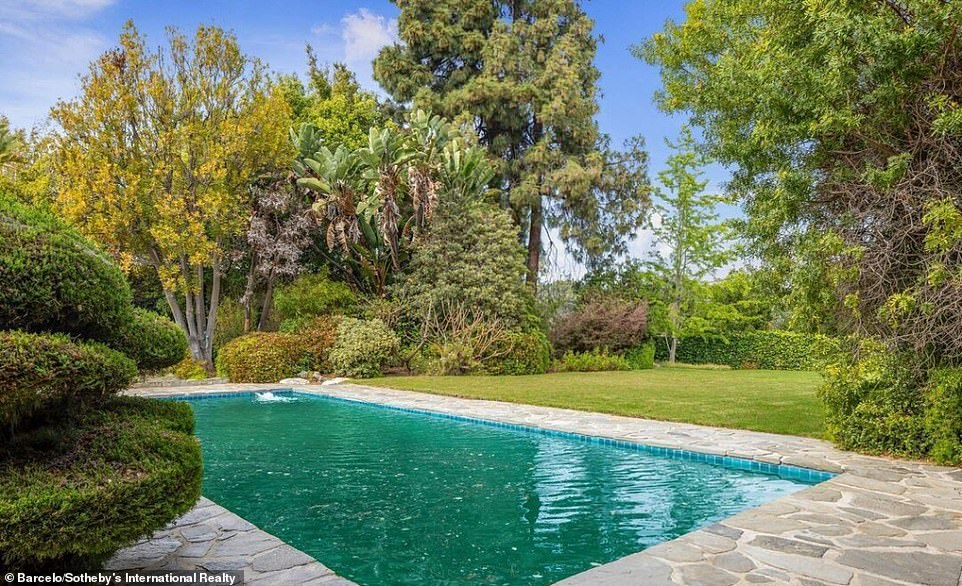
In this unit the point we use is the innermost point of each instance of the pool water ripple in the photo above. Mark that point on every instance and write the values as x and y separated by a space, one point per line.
394 498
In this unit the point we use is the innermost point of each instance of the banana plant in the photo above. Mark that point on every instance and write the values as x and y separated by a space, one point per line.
385 158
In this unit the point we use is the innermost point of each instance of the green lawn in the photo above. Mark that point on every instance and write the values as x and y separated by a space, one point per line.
761 400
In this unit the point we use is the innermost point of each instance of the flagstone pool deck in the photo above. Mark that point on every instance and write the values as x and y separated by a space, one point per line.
878 522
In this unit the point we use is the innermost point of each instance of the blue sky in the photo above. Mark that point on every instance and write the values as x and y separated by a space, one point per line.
46 44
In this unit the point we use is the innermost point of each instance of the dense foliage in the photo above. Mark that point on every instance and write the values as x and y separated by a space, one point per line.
48 373
765 349
470 258
82 472
884 403
601 323
55 280
124 177
74 492
362 348
311 296
262 357
520 353
152 341
842 123
523 74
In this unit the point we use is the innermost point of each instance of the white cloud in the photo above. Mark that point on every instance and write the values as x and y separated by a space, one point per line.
356 41
364 33
50 47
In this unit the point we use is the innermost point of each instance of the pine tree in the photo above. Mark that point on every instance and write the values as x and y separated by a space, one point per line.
522 72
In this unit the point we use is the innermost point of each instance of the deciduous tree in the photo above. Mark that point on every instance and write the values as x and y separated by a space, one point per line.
687 228
843 124
156 154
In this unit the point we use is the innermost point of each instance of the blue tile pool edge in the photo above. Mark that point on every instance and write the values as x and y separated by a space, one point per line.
785 471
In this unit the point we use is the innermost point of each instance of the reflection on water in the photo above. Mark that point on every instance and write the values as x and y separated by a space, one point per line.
386 497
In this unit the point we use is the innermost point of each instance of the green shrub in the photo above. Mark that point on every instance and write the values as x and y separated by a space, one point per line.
152 341
190 369
641 357
73 492
261 357
594 361
943 415
362 347
766 349
55 280
310 296
49 372
523 353
882 403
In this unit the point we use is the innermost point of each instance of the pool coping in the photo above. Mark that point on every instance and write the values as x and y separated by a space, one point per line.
877 521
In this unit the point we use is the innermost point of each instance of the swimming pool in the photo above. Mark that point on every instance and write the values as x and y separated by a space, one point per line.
386 496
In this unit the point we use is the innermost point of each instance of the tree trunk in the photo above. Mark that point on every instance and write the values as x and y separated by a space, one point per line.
672 349
534 244
268 303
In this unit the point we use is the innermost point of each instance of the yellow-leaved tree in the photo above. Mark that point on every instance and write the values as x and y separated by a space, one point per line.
156 155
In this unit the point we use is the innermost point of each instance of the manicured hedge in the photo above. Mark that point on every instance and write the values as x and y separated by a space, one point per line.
55 280
73 492
267 357
765 349
524 353
49 372
152 341
261 357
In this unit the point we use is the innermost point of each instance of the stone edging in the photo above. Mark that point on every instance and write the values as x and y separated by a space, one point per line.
209 537
880 521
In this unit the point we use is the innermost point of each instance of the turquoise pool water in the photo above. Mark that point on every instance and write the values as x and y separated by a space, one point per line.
394 498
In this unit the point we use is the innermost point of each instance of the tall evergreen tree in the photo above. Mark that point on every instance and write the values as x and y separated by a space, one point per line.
522 72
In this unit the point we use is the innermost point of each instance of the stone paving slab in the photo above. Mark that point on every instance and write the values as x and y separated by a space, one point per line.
879 522
209 537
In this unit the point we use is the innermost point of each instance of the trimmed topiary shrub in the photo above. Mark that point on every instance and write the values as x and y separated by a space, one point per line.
73 492
524 353
50 373
55 280
310 296
603 323
261 357
362 347
152 341
641 357
765 349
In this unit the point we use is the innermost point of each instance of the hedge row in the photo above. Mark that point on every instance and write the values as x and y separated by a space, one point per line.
73 492
765 349
50 373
